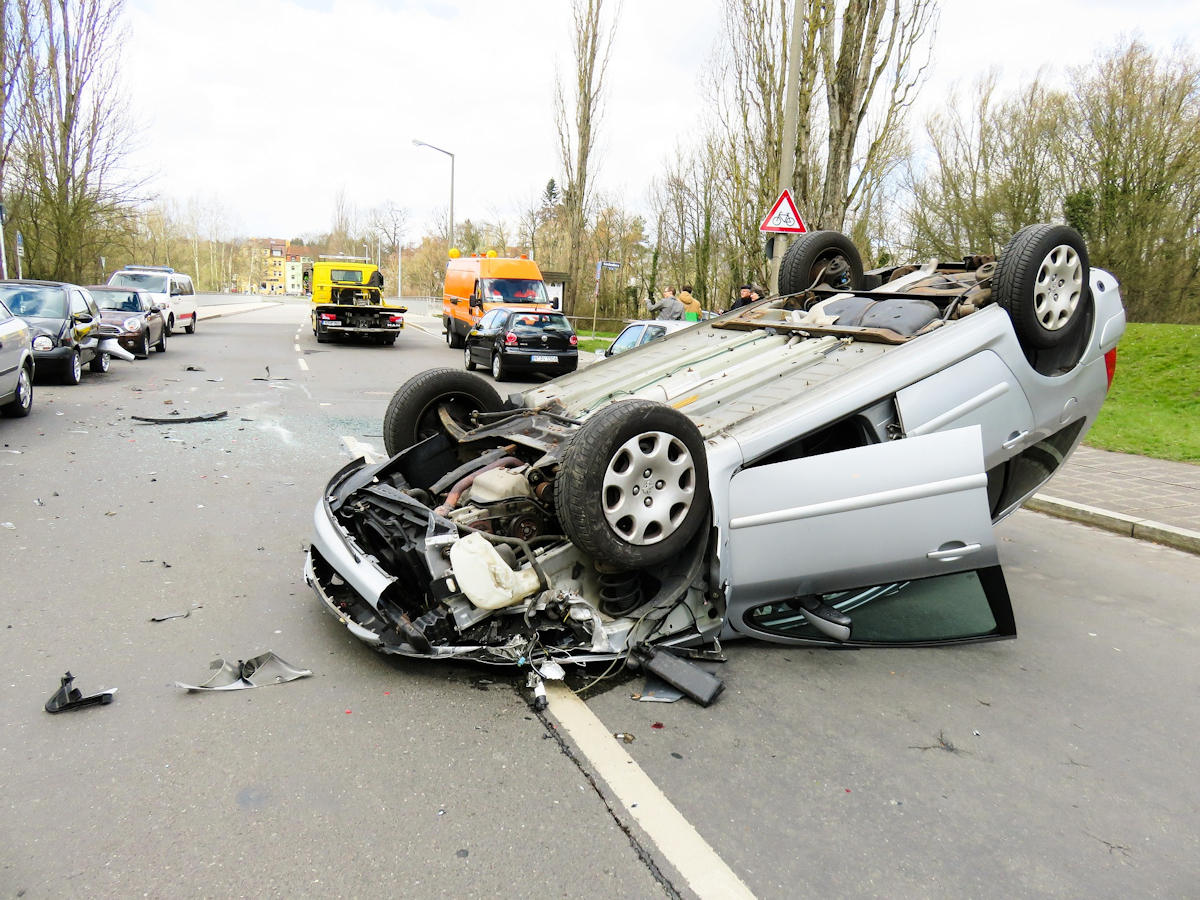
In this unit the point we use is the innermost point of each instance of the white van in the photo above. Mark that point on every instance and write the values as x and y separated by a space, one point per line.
165 287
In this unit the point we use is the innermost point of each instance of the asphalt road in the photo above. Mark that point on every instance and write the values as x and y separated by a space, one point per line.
1061 764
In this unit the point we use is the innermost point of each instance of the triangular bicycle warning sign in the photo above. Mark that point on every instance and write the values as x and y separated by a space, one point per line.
784 218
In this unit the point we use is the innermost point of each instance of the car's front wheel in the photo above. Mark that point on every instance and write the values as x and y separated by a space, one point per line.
73 371
22 403
143 351
161 346
416 409
499 371
632 485
1041 281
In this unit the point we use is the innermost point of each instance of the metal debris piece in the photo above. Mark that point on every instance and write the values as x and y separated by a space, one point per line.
68 697
194 369
180 420
182 615
658 691
624 736
258 671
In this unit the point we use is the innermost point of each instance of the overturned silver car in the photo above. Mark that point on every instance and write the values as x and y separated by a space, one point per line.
823 467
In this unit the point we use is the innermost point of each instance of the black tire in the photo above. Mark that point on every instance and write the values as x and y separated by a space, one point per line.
323 336
413 413
73 371
467 361
22 403
99 363
161 346
191 327
806 260
1041 281
453 338
499 370
603 513
143 352
170 329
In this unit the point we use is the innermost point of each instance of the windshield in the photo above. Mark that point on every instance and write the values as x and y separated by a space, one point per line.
533 321
146 281
43 302
514 290
125 301
351 275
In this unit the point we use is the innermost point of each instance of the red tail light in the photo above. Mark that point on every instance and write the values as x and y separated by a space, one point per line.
1110 365
328 316
395 318
510 338
574 340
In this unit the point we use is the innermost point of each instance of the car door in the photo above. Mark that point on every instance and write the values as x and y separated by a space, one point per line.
82 321
483 336
865 520
12 342
626 340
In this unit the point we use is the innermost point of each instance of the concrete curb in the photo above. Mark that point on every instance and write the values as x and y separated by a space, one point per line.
202 314
1130 526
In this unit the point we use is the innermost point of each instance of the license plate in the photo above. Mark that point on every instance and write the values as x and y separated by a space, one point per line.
546 359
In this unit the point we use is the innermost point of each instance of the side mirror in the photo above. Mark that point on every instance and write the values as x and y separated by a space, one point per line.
601 354
82 318
477 303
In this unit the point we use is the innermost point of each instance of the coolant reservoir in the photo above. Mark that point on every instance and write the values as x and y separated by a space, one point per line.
485 577
499 484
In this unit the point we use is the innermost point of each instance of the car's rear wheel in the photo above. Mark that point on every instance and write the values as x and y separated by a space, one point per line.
499 371
1041 281
73 371
416 408
161 346
171 324
821 257
467 361
190 328
99 363
22 403
632 485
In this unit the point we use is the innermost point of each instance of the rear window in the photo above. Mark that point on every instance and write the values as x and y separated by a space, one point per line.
43 302
538 321
351 275
514 290
145 281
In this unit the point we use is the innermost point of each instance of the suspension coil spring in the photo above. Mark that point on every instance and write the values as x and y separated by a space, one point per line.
620 592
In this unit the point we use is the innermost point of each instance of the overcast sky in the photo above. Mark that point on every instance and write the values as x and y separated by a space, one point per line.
270 107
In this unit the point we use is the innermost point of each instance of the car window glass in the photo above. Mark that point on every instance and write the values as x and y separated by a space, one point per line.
491 319
145 281
78 303
653 332
514 290
44 302
943 608
5 315
528 322
628 338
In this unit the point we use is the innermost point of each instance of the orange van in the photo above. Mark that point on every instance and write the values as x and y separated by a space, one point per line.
476 284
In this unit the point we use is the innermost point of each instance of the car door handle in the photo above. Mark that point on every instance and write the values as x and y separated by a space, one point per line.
1014 440
949 553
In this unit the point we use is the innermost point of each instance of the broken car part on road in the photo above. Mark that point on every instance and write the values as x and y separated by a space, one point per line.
821 468
68 697
261 670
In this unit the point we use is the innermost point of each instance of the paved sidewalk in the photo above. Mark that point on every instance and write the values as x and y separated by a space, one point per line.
1150 499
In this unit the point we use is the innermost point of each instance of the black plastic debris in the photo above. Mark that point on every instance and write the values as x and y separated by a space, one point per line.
258 671
701 686
182 615
68 697
180 420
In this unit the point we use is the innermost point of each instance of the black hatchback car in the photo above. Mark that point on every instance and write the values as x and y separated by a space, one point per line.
522 339
65 322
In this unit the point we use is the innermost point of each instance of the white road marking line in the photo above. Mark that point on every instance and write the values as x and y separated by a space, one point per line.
296 347
705 871
361 448
303 364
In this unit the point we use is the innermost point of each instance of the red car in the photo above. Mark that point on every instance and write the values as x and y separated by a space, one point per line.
141 322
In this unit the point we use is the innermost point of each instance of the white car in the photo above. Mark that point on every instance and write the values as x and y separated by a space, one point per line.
164 287
643 331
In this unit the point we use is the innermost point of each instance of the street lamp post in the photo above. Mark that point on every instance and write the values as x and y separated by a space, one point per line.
417 143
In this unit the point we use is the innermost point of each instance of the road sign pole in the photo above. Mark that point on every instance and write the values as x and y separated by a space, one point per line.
787 156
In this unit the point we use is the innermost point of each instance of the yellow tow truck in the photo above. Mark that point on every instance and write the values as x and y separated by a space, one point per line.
347 301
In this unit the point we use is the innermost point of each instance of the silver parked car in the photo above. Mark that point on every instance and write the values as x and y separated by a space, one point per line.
822 467
16 364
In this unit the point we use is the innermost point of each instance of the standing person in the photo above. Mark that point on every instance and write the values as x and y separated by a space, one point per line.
692 309
668 307
743 297
756 294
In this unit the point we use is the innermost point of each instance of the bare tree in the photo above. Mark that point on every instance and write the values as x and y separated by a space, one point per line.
72 200
592 43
